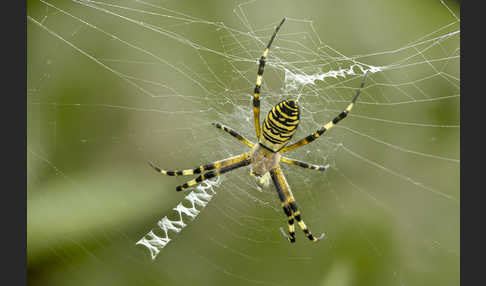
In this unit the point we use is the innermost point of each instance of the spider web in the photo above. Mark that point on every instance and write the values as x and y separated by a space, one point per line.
113 84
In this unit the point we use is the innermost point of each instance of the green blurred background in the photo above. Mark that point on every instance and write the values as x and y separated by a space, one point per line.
114 86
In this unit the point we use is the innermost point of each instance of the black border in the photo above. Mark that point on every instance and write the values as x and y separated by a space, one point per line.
14 159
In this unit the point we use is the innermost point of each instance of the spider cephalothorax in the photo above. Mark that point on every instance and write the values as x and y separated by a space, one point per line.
265 157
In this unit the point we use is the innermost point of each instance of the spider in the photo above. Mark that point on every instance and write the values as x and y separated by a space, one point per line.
265 157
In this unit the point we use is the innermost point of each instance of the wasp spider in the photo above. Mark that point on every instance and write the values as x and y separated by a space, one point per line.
265 157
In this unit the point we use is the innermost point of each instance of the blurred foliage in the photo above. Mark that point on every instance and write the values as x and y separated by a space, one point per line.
91 195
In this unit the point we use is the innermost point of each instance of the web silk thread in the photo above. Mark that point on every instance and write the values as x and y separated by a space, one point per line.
199 197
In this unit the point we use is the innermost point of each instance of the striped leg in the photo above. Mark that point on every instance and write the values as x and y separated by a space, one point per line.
256 93
303 164
239 161
282 194
281 183
302 225
328 125
234 134
200 169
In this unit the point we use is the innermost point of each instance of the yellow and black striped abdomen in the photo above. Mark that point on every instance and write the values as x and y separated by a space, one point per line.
280 125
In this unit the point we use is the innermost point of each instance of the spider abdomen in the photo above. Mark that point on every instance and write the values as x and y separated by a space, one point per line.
280 125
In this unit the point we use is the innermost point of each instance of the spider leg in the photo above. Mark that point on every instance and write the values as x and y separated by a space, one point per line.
328 125
256 93
285 205
200 169
234 134
290 206
303 164
236 162
301 223
288 212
